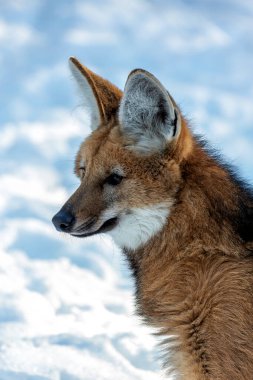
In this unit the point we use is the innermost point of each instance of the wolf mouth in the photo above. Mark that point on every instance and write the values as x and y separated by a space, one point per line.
107 226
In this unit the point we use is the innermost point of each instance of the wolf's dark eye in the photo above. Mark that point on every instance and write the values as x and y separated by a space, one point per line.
114 179
82 171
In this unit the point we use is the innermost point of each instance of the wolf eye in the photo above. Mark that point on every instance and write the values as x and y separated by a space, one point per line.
114 179
82 171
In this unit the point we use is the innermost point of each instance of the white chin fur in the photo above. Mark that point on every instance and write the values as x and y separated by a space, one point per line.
137 227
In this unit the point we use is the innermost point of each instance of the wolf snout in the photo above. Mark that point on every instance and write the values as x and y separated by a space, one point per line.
63 220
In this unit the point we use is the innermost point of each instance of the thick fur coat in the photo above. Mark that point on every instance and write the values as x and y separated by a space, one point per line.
182 218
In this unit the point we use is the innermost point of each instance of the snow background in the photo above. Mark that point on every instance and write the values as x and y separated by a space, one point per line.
66 306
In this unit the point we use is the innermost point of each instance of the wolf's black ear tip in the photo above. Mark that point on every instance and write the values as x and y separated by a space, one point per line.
138 71
73 61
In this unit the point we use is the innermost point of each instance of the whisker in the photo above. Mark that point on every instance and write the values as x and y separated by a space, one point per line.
85 225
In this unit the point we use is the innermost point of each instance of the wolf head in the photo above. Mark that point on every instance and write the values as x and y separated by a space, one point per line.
129 166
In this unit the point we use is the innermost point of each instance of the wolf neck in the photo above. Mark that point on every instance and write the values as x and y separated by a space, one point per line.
207 216
200 232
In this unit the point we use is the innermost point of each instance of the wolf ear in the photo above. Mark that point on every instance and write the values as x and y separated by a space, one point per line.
101 98
148 116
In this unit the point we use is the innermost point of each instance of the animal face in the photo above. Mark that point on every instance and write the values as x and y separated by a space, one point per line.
129 166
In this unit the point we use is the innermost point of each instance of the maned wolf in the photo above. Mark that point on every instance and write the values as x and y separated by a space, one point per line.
182 218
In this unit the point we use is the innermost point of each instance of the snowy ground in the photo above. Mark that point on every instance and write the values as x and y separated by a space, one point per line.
66 306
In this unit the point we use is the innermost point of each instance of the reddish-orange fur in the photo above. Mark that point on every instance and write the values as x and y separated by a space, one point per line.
194 279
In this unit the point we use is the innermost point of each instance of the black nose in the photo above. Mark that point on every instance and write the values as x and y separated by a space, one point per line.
63 220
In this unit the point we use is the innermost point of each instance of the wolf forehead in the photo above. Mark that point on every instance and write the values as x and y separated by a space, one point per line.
105 149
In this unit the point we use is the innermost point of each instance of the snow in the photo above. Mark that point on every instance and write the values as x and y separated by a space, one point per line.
67 305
